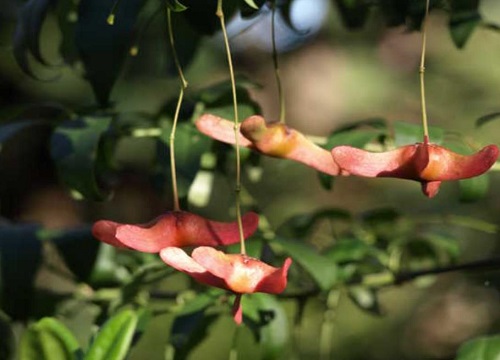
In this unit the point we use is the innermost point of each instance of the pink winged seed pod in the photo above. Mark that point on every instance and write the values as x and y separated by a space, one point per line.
238 273
276 139
174 228
426 163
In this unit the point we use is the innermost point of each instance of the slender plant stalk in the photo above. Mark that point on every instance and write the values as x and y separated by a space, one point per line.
422 71
325 346
183 86
220 15
281 96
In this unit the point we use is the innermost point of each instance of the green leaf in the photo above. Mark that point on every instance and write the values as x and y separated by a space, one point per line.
487 118
27 33
77 247
482 348
48 339
7 344
354 13
114 339
268 322
474 189
103 48
322 270
218 99
20 257
301 225
406 133
191 325
175 5
348 250
77 147
464 19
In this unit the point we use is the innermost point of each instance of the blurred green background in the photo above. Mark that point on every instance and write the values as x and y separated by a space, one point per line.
337 77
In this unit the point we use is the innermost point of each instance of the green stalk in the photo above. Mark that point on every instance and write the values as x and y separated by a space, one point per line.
281 96
422 72
183 86
220 15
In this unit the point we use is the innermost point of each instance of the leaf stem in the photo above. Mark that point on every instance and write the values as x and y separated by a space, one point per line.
183 86
422 71
220 15
281 96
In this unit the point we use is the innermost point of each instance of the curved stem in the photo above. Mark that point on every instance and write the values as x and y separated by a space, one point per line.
220 15
281 96
422 71
183 86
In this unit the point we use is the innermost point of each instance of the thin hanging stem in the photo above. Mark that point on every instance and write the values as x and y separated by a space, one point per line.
183 86
422 72
281 96
220 15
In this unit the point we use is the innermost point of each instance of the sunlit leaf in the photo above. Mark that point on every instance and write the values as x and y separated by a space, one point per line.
322 270
268 321
76 147
48 339
113 340
482 348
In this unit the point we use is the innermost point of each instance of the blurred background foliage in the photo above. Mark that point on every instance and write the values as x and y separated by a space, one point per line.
84 136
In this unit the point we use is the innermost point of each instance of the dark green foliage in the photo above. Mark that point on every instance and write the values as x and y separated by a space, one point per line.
484 348
79 151
464 18
27 33
19 244
103 48
353 13
268 322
